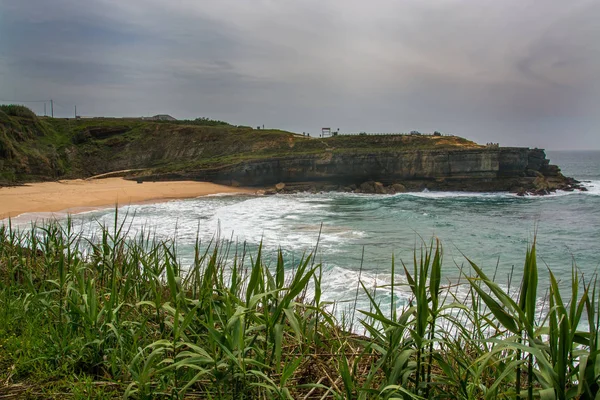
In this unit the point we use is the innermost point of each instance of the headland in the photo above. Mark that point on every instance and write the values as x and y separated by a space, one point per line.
37 149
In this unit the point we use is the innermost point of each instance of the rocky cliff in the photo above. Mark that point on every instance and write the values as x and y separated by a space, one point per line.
502 169
44 149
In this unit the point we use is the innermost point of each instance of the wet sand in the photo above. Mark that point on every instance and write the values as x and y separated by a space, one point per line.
81 195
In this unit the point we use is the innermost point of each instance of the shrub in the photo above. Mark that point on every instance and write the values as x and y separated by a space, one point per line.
209 122
16 110
81 137
4 118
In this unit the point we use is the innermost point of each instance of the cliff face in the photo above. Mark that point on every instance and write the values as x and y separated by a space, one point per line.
241 155
500 169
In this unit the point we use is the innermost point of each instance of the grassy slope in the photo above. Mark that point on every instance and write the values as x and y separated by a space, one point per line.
29 149
44 148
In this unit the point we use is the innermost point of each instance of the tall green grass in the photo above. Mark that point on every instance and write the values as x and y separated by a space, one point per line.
119 316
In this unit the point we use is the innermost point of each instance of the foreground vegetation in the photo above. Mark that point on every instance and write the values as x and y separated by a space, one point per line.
120 317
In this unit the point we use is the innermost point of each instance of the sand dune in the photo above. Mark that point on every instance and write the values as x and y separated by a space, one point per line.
79 195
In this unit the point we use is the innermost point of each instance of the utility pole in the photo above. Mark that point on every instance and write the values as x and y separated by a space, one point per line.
44 109
52 108
75 112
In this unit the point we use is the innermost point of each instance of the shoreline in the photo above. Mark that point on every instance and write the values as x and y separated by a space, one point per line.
78 195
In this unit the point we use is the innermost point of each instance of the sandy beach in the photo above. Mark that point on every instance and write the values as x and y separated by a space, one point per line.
80 195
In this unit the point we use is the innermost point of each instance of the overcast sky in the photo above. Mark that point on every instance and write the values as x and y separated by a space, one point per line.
518 72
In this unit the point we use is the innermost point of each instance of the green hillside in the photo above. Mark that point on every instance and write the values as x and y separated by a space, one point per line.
39 148
30 147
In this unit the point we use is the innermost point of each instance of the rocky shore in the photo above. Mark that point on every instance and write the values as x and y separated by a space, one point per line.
542 186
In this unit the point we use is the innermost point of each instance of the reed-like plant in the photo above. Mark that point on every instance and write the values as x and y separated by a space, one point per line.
120 310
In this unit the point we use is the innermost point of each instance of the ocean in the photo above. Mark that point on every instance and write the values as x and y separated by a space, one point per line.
493 230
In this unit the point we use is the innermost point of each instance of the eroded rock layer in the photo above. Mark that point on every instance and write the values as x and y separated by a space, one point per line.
502 169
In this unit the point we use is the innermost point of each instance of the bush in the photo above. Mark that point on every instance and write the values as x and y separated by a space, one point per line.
7 150
209 122
4 118
15 110
81 137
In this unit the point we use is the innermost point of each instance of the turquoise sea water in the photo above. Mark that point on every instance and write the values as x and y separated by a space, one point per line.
492 229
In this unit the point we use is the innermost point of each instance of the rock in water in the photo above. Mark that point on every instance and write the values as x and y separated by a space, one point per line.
541 184
367 187
398 188
379 188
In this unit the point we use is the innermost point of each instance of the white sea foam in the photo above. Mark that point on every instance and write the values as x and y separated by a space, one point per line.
444 195
593 187
291 222
223 195
43 216
35 217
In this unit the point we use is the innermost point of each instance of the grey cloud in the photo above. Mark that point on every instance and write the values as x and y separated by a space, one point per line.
518 72
70 71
